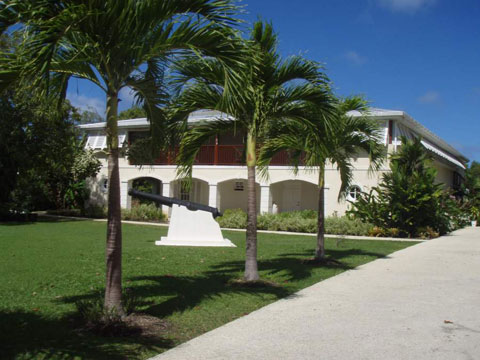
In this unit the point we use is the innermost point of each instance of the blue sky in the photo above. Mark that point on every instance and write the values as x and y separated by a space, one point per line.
420 56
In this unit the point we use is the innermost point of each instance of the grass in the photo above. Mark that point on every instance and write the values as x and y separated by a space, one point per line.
49 265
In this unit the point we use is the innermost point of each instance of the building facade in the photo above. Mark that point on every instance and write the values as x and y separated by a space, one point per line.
220 179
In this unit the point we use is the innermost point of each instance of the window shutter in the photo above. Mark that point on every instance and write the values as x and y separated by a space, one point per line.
121 139
101 142
92 140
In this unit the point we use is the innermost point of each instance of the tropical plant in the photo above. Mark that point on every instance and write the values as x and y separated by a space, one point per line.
408 197
132 113
321 141
114 44
270 89
471 191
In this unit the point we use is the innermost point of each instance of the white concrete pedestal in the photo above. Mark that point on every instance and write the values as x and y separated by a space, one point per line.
193 228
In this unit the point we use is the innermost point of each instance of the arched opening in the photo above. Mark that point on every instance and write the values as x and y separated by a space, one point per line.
145 184
232 194
197 191
294 195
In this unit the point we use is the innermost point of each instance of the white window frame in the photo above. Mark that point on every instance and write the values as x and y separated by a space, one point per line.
350 188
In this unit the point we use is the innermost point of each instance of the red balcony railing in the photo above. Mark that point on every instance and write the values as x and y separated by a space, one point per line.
219 155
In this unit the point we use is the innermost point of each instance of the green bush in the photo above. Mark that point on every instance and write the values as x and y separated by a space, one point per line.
347 226
233 219
408 202
144 212
65 212
95 318
295 221
95 211
92 211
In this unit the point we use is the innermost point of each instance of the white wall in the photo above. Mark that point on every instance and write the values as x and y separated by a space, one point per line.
292 195
229 198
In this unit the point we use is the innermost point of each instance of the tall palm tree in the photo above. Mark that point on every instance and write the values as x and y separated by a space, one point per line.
336 142
114 44
270 89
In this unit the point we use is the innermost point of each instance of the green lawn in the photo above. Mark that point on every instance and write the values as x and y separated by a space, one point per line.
46 266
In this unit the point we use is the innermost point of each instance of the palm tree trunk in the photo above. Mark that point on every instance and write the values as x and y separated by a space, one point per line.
251 268
113 253
320 250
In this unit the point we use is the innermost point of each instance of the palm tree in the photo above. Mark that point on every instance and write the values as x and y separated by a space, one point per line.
336 142
114 44
270 89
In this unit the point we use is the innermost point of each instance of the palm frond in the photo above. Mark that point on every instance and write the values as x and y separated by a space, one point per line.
194 138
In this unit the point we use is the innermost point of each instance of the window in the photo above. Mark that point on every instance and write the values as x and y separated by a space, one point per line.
184 191
104 185
238 186
353 192
134 136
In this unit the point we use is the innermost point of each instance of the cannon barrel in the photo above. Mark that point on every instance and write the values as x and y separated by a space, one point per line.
169 201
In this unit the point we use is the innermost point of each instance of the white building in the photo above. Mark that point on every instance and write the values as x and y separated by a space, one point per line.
219 179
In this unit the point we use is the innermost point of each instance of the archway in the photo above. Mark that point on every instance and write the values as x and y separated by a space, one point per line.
198 191
145 184
294 195
232 194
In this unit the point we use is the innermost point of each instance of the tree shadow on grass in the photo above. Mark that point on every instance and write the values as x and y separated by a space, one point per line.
296 267
338 254
185 292
42 219
29 335
286 268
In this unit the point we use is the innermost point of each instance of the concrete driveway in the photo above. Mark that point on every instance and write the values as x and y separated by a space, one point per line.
422 302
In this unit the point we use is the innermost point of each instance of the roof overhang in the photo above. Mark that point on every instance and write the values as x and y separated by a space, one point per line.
442 154
441 146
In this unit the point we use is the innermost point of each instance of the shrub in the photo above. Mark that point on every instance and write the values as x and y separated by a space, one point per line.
408 202
233 219
94 317
295 221
347 226
65 212
144 212
95 211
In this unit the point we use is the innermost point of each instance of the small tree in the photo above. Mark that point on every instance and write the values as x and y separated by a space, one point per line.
270 90
113 44
132 113
336 140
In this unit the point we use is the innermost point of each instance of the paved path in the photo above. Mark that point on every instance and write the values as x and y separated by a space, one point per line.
422 302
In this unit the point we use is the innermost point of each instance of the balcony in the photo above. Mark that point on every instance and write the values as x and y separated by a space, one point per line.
218 155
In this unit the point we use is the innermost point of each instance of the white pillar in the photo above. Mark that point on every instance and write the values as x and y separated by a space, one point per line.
165 192
212 195
124 194
265 199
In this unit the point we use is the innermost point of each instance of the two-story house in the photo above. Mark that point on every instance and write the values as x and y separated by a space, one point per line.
219 178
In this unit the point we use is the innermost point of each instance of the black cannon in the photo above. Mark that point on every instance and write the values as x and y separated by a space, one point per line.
168 201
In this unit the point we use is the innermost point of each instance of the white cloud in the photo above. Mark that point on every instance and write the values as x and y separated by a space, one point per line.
87 103
126 95
355 57
429 97
406 6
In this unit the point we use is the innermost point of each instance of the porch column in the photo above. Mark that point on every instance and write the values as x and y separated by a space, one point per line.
124 194
212 195
265 199
165 192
